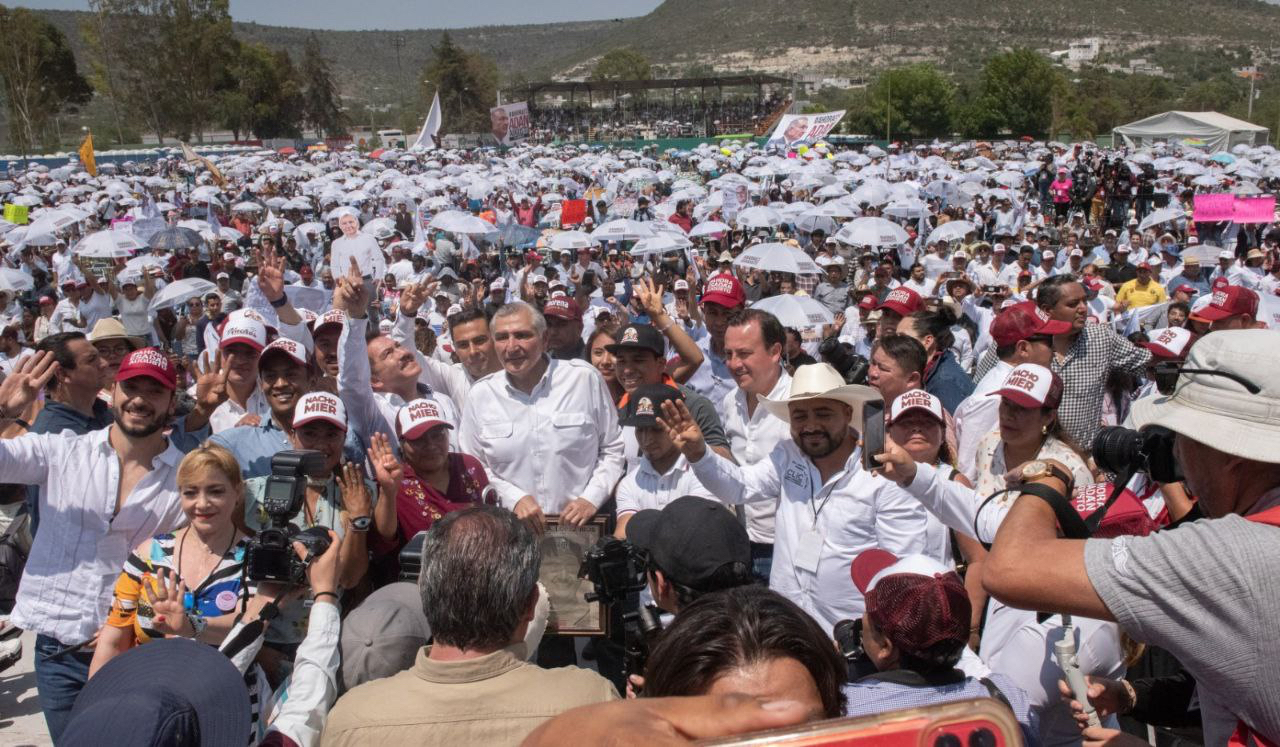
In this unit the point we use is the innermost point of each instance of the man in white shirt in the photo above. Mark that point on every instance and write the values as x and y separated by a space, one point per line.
242 342
1023 333
66 315
354 245
662 474
753 351
94 304
545 430
829 507
472 342
102 494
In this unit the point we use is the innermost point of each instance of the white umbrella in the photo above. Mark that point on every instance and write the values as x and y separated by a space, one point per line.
908 208
622 229
775 257
1163 215
951 231
709 228
872 231
246 207
795 311
456 221
758 217
180 291
15 281
660 244
108 244
572 241
139 264
814 221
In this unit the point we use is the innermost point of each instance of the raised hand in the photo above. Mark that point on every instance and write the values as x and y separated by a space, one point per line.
348 292
412 298
895 463
683 430
650 297
211 386
28 379
387 470
165 595
270 273
355 494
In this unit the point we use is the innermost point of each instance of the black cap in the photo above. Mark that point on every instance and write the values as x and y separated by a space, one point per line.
639 336
690 539
644 405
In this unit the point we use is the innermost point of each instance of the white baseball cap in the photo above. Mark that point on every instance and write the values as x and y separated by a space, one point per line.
321 406
916 399
1168 343
248 331
498 285
1047 255
1031 385
292 348
682 285
419 416
1226 254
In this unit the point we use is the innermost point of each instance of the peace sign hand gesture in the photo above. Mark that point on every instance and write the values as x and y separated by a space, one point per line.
412 298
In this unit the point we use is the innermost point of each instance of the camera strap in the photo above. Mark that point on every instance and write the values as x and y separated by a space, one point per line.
250 633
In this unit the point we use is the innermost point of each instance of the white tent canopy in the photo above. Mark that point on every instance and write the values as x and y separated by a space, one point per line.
1217 131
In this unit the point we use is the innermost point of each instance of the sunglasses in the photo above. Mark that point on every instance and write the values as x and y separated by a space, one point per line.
1166 377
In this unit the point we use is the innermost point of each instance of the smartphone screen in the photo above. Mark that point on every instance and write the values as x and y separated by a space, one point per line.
872 432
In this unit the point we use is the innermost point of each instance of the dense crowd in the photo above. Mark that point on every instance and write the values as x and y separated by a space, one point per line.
317 448
650 116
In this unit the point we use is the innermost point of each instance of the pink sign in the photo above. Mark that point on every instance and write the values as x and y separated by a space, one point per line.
1255 209
1215 207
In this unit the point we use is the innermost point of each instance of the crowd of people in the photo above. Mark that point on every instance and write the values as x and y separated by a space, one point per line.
431 372
652 116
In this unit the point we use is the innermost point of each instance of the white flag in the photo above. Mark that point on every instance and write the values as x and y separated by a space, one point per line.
430 128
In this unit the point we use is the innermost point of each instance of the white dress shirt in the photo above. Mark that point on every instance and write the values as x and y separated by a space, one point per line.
228 414
83 543
364 249
752 439
712 379
644 488
369 412
978 415
450 378
559 442
820 526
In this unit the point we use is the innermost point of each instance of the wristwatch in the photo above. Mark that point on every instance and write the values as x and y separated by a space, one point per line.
1037 469
361 523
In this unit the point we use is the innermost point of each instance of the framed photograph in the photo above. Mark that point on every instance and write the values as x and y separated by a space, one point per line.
562 549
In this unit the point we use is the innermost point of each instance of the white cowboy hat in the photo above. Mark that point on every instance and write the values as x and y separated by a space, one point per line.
1218 411
821 381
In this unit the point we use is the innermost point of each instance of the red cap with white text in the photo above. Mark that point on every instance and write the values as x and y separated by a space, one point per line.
418 417
320 406
1031 385
149 362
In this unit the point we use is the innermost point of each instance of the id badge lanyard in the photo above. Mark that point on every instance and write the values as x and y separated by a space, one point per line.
809 551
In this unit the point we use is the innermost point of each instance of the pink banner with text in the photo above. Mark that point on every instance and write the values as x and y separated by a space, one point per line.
1211 208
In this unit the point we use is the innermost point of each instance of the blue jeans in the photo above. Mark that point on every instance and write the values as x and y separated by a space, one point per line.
58 682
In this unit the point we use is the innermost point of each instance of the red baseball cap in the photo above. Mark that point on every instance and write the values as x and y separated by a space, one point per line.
868 302
1229 301
563 308
915 601
1031 385
1170 343
1024 320
724 290
148 362
902 301
1185 288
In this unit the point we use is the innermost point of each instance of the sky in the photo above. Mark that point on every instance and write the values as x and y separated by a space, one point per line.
407 14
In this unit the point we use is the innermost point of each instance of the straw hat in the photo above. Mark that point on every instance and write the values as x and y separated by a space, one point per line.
821 381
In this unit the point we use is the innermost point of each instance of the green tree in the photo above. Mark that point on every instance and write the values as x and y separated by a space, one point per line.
267 98
917 100
1214 95
467 83
39 72
622 64
321 107
1017 94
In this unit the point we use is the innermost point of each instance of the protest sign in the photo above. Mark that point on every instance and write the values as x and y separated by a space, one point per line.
1215 207
808 128
1260 209
510 122
572 212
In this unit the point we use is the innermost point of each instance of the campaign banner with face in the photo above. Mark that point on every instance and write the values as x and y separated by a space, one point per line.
510 122
808 128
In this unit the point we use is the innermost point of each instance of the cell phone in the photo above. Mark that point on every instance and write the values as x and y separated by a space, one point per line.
872 432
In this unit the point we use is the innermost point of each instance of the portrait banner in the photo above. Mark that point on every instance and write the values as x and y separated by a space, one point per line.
510 122
563 547
806 128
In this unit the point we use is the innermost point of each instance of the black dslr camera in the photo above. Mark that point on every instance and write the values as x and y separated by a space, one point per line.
619 572
849 364
269 556
1121 451
848 635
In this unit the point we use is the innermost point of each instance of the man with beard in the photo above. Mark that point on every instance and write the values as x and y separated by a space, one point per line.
102 493
376 374
829 507
472 343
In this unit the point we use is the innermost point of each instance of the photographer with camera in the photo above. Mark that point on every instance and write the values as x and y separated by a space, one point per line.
912 636
327 493
472 685
1204 590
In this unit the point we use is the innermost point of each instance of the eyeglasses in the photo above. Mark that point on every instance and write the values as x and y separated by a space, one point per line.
1166 377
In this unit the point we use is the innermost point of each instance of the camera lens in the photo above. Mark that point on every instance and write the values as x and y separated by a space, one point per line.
947 740
1117 450
982 737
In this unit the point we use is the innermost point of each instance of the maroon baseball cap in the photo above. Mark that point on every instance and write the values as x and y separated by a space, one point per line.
724 290
149 362
1025 320
868 302
1229 301
563 308
1185 288
1031 385
915 601
902 301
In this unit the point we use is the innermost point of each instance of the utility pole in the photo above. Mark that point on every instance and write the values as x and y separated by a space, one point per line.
888 107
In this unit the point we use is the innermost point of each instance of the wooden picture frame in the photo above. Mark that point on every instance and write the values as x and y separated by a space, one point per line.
563 548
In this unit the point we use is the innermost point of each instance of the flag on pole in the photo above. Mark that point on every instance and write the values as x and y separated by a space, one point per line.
430 128
190 156
86 155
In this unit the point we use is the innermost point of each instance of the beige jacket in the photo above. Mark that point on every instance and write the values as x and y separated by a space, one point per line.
496 699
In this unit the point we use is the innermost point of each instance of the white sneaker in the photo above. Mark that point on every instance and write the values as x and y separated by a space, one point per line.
10 653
